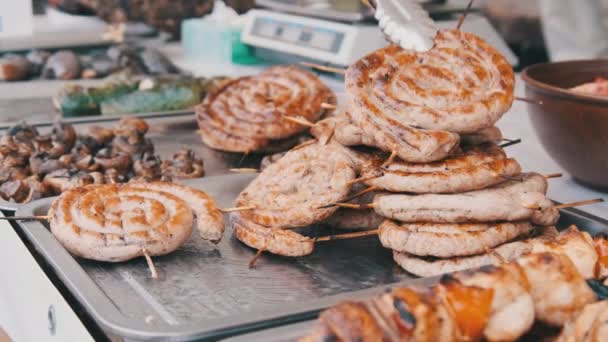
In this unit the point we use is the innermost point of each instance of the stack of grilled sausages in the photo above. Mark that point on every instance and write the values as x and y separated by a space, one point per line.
450 196
418 129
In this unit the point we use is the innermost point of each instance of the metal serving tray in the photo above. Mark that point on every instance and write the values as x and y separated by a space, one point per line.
206 291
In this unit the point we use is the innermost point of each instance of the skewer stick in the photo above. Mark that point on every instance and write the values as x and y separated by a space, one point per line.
390 159
350 198
324 68
524 99
328 106
25 218
304 144
255 258
494 253
464 15
512 178
244 170
299 121
327 139
510 143
552 175
229 210
362 179
347 236
245 155
354 206
151 266
579 203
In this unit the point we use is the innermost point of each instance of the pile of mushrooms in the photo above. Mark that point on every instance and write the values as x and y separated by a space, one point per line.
34 166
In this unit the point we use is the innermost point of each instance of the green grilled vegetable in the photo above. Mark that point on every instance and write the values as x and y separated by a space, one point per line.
79 101
165 98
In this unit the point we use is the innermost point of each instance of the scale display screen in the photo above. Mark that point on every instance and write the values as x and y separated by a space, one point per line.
298 34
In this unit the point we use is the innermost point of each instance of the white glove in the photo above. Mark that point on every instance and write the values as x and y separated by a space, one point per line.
406 23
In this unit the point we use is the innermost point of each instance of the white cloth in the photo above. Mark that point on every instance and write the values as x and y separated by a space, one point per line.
575 29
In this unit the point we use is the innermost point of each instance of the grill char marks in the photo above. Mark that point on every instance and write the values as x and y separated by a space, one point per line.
415 104
247 114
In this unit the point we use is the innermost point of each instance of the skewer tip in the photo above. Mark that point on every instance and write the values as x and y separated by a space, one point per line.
579 203
255 258
153 272
229 210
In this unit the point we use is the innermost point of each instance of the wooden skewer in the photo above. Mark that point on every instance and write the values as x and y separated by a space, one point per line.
347 236
510 143
304 144
493 252
245 155
328 106
362 179
229 210
547 176
512 178
354 206
327 139
324 68
390 159
25 218
523 99
350 198
244 170
255 258
299 121
464 15
579 203
151 266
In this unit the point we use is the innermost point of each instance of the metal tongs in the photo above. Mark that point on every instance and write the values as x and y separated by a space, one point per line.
406 23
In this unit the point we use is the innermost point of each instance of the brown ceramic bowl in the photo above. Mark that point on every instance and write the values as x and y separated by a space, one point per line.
572 127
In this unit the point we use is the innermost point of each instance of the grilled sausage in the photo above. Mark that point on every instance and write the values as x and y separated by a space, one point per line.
476 168
510 201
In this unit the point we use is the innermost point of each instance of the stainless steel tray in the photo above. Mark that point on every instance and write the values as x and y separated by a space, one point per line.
207 291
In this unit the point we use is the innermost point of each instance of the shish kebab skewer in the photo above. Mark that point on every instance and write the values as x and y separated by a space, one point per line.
494 302
510 201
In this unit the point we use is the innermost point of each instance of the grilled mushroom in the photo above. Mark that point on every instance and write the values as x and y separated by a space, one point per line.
15 191
64 179
184 165
64 134
147 168
42 163
112 176
98 177
87 164
101 135
121 161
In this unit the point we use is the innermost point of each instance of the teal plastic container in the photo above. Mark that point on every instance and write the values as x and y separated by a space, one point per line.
215 42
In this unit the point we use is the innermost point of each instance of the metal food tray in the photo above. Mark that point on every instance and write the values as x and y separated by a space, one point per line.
206 291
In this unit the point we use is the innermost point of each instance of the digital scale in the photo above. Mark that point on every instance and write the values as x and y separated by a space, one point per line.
320 32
